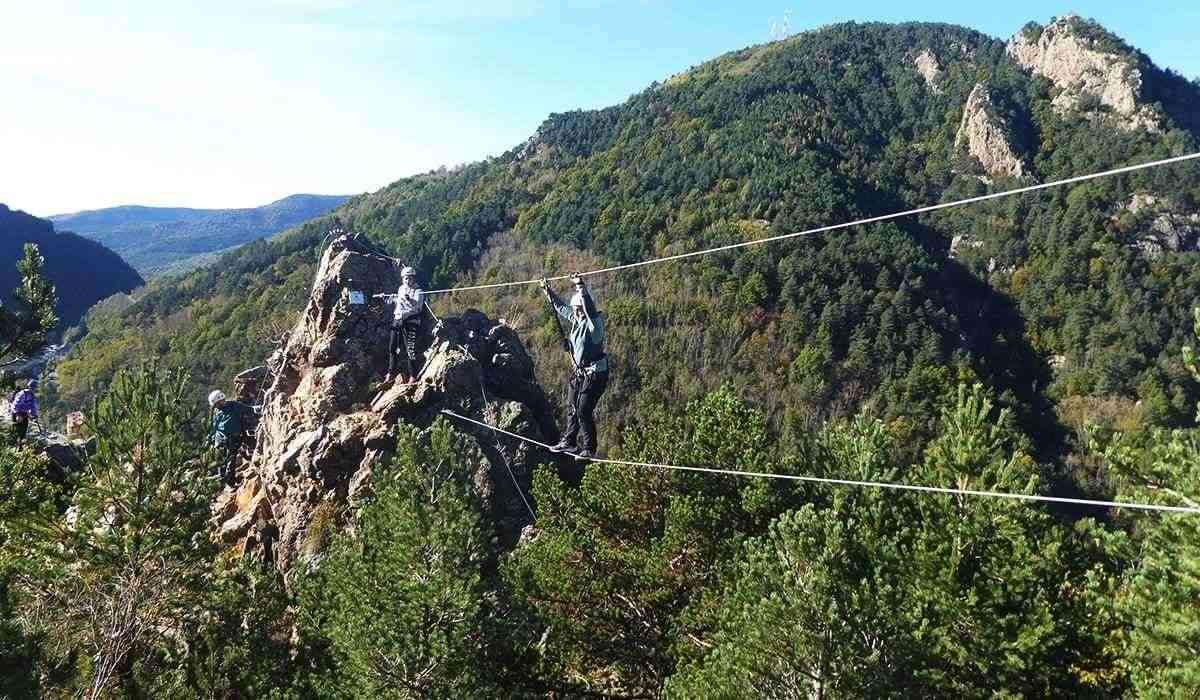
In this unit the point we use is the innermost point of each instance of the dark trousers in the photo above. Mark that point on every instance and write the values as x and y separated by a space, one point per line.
404 337
227 469
582 397
20 426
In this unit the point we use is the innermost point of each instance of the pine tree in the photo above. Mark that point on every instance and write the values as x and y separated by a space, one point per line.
401 600
25 326
1161 597
617 561
873 593
119 575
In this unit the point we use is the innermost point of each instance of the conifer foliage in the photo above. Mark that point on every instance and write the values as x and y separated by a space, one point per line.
400 601
25 325
108 583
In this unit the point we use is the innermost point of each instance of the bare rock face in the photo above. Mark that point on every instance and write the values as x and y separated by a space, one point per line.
248 384
1086 74
962 242
927 65
329 420
986 135
1164 228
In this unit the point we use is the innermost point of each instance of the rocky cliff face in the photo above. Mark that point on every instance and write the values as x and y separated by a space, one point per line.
986 135
1087 75
927 65
1163 227
328 419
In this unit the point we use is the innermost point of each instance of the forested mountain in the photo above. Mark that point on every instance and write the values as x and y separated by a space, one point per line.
174 239
83 271
1029 344
1077 296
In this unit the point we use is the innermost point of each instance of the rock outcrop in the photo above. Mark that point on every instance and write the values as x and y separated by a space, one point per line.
1085 74
987 136
927 65
1166 229
329 419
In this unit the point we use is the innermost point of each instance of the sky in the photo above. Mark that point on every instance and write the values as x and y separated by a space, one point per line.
236 103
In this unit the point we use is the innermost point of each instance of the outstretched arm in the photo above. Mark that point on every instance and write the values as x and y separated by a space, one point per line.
557 304
589 304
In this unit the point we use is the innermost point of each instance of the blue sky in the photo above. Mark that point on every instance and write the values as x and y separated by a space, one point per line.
240 103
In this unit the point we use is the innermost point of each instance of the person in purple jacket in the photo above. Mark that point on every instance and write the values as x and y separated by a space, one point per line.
24 407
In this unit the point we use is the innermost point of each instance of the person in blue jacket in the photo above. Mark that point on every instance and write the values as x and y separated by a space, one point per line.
589 378
231 422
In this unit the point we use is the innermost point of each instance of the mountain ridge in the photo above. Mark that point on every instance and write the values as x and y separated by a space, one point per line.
825 126
83 271
1022 345
160 239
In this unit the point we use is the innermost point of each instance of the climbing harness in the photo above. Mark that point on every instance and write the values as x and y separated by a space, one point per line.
852 482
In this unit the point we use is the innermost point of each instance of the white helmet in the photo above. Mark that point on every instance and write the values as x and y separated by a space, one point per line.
408 271
216 397
577 299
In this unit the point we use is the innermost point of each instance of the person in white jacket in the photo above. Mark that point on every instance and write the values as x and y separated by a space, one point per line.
406 324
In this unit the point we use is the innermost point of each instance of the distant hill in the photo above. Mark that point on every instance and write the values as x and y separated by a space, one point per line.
170 239
83 271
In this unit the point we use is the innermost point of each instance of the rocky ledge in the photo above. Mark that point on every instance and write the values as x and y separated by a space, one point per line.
329 419
1086 73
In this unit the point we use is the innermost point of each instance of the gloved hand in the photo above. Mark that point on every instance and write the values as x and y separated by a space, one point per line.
545 285
576 280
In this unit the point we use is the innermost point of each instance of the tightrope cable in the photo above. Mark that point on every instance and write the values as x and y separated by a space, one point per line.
854 482
834 227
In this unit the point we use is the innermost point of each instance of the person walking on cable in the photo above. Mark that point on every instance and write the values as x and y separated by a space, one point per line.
406 325
24 408
230 422
589 378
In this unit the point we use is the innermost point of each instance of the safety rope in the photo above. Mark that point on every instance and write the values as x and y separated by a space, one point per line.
834 227
854 482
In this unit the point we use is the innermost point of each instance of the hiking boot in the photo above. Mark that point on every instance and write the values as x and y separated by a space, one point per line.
584 454
562 446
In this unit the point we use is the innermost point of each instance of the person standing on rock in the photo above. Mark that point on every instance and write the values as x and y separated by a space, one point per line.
406 325
589 378
24 408
230 423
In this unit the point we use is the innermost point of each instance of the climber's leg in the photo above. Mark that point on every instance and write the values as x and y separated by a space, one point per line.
593 389
411 328
228 468
20 427
574 391
394 344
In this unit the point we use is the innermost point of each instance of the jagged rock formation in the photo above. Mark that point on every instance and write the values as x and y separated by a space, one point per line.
963 241
927 65
1168 229
986 135
328 420
1084 73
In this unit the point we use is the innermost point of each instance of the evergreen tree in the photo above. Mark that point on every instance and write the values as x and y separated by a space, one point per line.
26 324
616 561
401 601
117 578
1160 598
877 593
